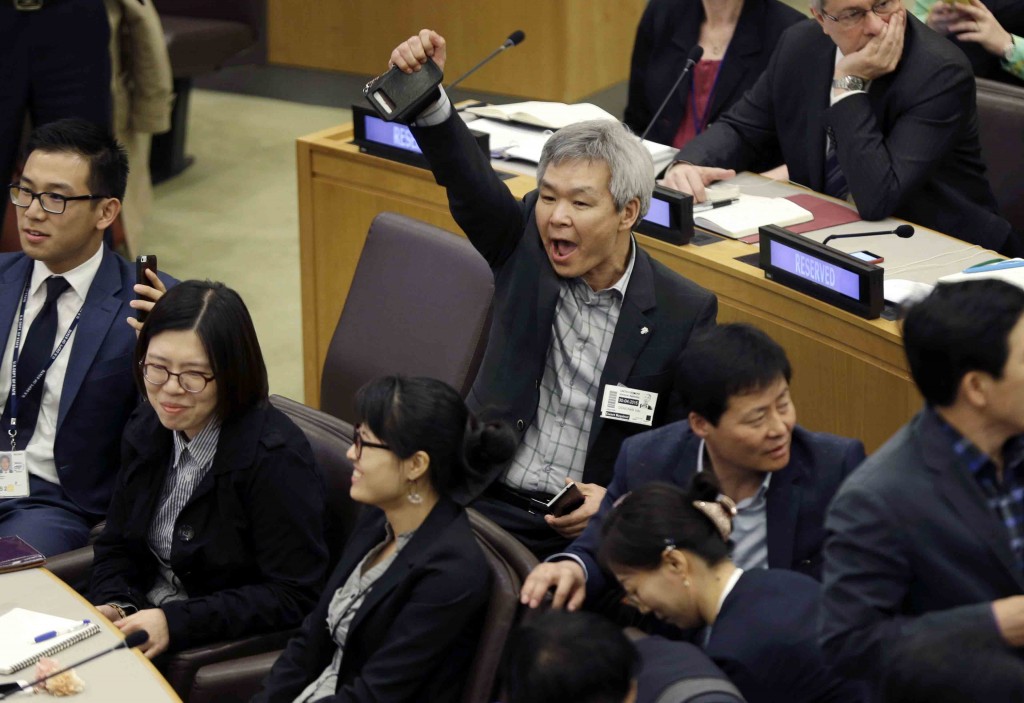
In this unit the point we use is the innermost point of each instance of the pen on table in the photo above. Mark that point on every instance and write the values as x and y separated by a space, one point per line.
57 633
711 205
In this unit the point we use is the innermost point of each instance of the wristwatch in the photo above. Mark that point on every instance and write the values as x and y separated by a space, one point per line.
1009 50
849 83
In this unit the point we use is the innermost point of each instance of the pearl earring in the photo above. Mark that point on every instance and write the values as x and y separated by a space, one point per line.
414 496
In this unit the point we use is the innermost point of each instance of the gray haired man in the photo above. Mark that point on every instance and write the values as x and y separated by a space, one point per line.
581 313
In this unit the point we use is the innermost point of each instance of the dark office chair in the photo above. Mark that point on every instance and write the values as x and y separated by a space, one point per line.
419 305
1001 130
201 36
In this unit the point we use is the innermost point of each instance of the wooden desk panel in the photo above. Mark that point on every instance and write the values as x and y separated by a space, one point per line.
850 374
573 47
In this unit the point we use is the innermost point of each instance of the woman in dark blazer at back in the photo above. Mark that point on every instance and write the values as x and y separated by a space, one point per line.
669 550
737 36
400 617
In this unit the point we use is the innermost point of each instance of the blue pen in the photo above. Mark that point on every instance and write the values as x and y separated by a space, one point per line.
57 633
997 266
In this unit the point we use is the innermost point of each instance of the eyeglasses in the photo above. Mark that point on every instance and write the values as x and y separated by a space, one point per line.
190 381
53 203
853 17
358 442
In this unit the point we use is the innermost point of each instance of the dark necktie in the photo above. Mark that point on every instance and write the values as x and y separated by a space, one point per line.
32 358
835 181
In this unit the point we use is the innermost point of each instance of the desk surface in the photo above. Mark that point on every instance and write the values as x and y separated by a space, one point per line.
850 374
119 676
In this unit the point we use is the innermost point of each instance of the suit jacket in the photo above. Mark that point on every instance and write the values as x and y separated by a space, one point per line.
667 32
660 311
99 390
797 496
765 640
249 544
912 546
415 634
908 147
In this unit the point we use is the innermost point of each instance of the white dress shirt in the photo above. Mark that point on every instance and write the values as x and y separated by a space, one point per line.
39 452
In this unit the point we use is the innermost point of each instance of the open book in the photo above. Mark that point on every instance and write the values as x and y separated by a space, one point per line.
542 114
751 212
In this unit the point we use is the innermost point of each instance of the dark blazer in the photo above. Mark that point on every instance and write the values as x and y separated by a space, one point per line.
797 496
99 391
672 671
765 640
660 311
415 634
249 544
667 32
908 147
911 546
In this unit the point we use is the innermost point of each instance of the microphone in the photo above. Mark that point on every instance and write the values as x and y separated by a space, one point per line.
903 232
514 39
691 60
130 642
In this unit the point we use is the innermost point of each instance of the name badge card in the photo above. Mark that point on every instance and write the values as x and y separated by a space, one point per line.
629 405
13 476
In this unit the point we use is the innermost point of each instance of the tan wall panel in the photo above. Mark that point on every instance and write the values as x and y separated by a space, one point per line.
573 47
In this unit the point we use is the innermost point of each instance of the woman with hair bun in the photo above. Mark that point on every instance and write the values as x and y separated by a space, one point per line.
400 617
669 550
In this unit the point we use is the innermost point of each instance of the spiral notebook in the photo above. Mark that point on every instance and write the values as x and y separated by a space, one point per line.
20 627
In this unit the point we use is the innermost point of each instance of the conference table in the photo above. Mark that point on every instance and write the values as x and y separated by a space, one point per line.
119 676
850 374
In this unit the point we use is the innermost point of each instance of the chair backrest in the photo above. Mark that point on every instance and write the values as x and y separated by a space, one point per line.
501 617
521 560
419 305
510 563
330 439
1001 130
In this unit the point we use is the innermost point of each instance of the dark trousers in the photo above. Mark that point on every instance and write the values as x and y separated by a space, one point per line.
529 528
47 519
54 63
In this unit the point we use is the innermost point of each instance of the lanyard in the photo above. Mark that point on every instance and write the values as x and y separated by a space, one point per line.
13 399
699 123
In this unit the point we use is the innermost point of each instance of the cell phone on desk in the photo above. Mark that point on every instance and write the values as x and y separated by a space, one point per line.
567 500
867 256
143 263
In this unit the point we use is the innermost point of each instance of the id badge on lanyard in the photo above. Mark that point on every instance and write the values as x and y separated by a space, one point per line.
13 475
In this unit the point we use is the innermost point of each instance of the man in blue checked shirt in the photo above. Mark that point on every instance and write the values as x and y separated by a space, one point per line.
927 536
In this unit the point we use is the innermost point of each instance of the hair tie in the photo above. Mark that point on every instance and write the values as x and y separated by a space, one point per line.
720 512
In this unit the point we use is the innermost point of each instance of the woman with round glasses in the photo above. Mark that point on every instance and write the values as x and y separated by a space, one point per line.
216 527
401 614
669 550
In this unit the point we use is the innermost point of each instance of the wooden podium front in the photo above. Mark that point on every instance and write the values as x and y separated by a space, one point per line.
850 375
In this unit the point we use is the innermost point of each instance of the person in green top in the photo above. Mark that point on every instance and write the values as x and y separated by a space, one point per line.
973 22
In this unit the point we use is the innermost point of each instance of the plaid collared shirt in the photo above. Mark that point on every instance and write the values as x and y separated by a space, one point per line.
555 444
1005 498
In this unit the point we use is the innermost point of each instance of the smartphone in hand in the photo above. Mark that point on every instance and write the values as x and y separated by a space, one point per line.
567 500
143 263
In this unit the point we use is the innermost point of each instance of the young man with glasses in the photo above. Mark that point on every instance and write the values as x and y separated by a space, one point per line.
66 386
868 105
